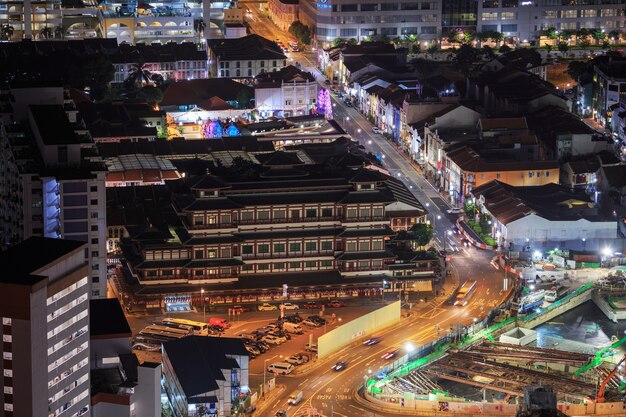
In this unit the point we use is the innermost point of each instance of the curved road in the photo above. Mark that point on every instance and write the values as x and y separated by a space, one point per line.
328 391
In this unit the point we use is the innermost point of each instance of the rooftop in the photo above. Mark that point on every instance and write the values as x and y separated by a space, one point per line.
54 126
551 201
18 262
251 47
470 160
201 355
106 319
209 94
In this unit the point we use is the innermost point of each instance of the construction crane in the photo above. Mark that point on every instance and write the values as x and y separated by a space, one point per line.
600 395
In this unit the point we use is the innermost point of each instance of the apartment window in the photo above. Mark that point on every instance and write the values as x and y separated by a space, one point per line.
199 254
167 273
212 253
490 16
246 215
7 338
225 253
538 174
377 245
95 280
410 6
378 211
287 102
94 214
94 227
327 245
274 63
589 13
327 264
547 173
549 14
497 176
279 247
608 12
364 213
369 7
225 219
6 321
198 272
263 267
347 33
249 64
508 16
7 356
349 7
295 265
310 246
364 246
279 265
295 247
509 28
351 213
310 213
263 248
262 64
94 202
95 267
310 264
263 215
327 212
351 247
247 249
569 14
95 254
279 214
387 6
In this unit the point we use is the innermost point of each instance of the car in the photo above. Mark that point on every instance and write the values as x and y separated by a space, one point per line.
262 346
335 304
296 359
280 335
311 323
311 347
252 350
390 354
239 309
327 82
290 306
373 341
375 130
317 319
267 307
455 229
248 11
295 398
281 413
466 242
293 318
339 366
273 340
271 326
247 336
312 304
348 103
455 210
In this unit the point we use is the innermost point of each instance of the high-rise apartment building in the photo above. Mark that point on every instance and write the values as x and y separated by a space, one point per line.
54 181
44 307
525 20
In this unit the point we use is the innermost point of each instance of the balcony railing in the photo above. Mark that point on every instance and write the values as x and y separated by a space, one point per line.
244 222
363 219
282 255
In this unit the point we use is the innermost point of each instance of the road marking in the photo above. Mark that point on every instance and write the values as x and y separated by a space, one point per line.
303 382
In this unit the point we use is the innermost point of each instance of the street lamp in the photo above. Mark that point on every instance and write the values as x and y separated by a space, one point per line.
203 305
384 283
265 370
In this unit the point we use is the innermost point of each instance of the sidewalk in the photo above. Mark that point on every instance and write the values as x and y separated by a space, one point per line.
263 403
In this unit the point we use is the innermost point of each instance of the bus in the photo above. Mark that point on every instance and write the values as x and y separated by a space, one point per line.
197 327
169 333
465 293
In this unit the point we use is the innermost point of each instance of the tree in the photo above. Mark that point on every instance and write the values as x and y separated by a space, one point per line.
432 49
415 48
243 99
198 26
339 41
597 35
6 32
483 36
59 32
551 33
497 37
504 49
468 36
422 233
488 52
150 94
549 49
352 42
46 33
452 36
301 32
576 68
138 77
563 47
466 58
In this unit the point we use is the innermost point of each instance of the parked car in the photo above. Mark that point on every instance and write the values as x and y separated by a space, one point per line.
311 323
296 359
455 210
339 366
290 306
219 322
281 368
317 319
239 309
271 326
373 341
273 340
247 336
335 304
267 307
312 304
253 351
375 130
280 334
293 318
327 82
311 347
261 345
281 413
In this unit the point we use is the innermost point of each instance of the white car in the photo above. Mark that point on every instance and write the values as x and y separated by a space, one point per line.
272 340
311 323
267 307
375 130
291 306
311 347
295 359
455 210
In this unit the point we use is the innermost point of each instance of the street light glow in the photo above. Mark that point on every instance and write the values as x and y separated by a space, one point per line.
537 254
607 251
438 217
410 347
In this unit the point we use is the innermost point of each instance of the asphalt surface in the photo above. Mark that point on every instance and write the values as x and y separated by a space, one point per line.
330 392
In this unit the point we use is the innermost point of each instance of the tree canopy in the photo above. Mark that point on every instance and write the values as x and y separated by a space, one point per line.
301 32
423 233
